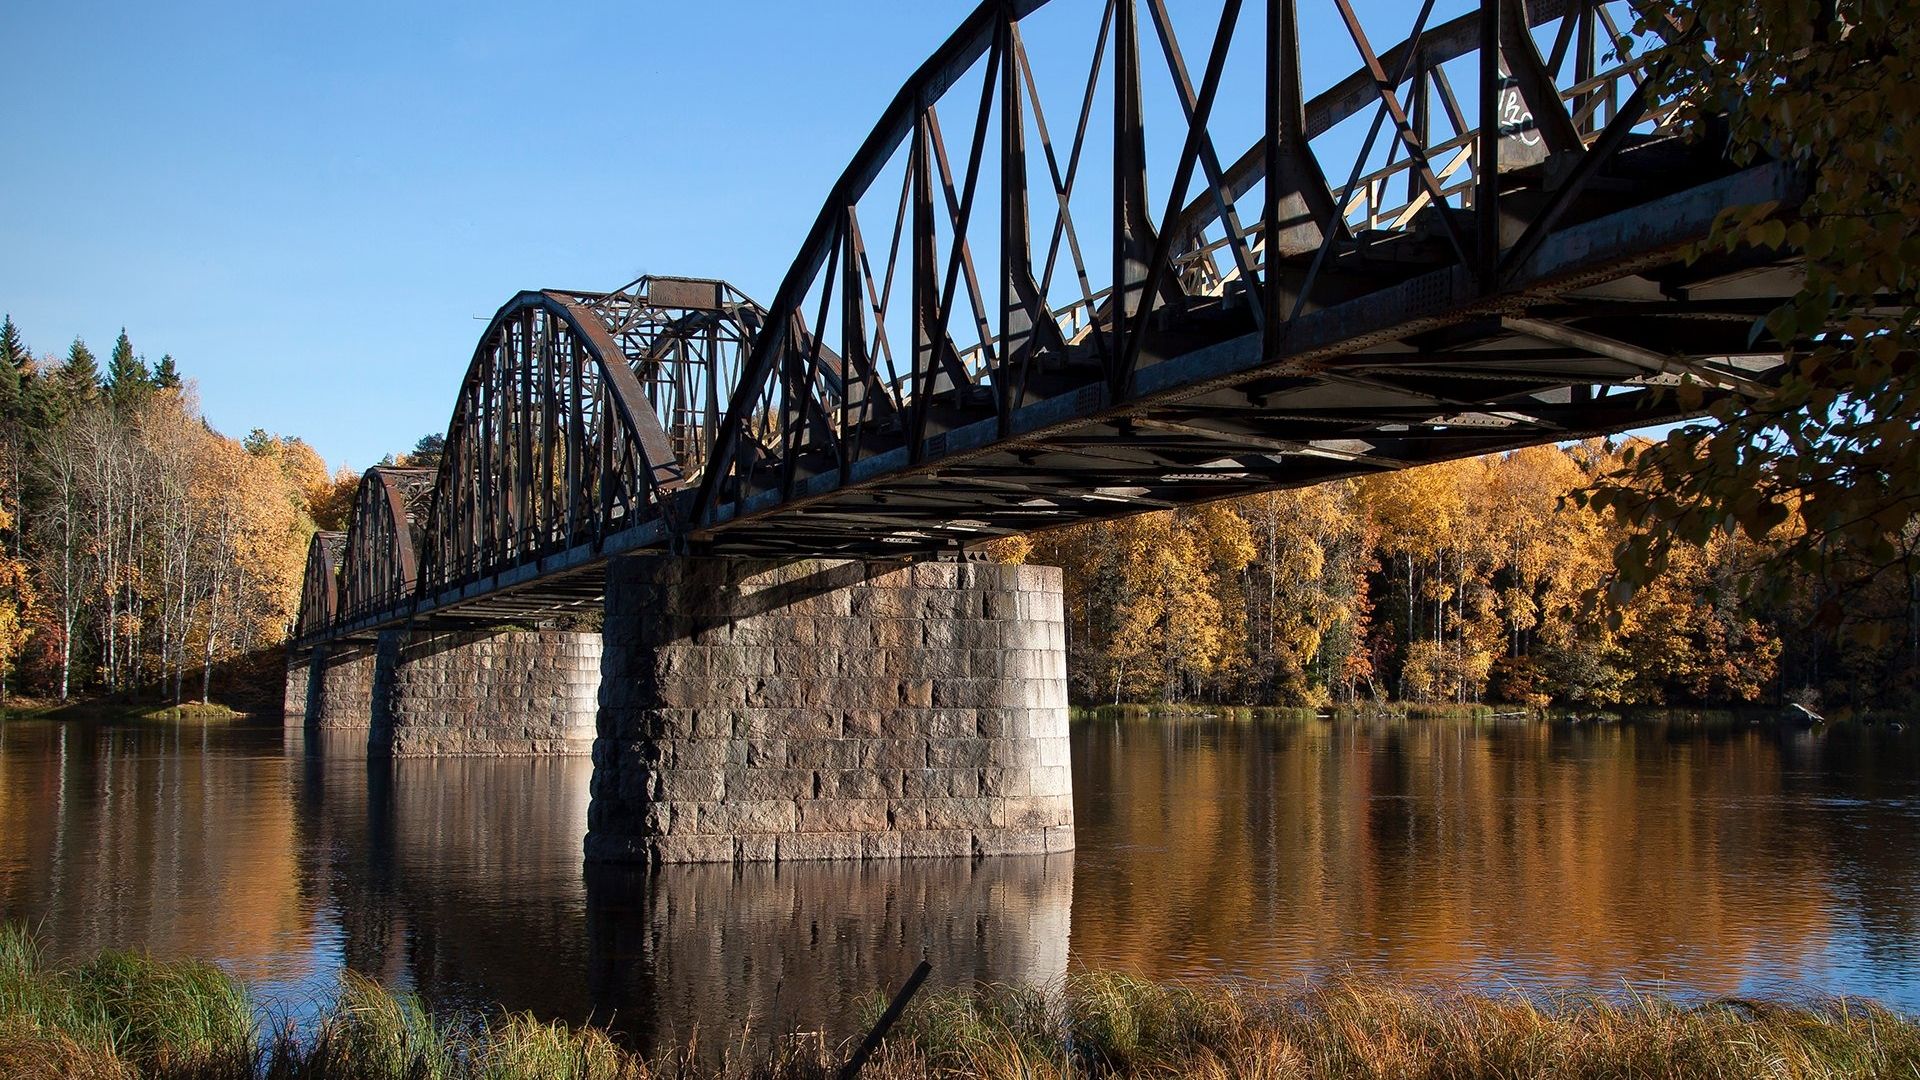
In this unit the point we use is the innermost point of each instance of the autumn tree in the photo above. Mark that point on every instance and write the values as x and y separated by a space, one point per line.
60 527
1432 520
17 606
1826 86
1548 555
1306 593
300 465
330 503
252 543
1686 636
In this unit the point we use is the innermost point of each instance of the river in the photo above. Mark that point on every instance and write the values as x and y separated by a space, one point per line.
1719 859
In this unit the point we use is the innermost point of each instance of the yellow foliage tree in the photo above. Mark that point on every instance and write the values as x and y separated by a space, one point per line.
330 502
17 604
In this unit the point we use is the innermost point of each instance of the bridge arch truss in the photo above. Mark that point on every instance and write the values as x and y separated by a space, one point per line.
380 563
320 585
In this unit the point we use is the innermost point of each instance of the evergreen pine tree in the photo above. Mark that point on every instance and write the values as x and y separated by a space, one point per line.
127 374
79 377
165 375
13 363
13 351
427 452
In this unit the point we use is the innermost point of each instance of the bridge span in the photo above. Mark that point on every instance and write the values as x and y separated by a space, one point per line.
725 542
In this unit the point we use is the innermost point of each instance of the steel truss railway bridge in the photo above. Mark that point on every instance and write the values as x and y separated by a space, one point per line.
1476 240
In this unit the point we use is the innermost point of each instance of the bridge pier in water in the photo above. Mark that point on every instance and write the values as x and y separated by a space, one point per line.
493 693
754 711
293 703
340 680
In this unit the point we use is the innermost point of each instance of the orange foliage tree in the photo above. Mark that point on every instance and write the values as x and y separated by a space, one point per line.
1465 581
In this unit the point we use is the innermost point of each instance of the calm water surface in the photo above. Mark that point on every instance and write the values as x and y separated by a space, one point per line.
1730 860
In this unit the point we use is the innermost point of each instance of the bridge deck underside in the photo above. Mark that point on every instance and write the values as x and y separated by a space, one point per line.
567 585
1591 339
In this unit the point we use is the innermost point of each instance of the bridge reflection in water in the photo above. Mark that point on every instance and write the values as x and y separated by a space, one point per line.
802 946
463 876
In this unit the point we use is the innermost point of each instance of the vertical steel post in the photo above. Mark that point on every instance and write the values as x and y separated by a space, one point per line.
1132 235
1283 49
927 330
1014 257
853 345
1486 199
523 489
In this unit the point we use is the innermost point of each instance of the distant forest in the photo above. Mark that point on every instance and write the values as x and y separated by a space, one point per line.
139 549
1484 579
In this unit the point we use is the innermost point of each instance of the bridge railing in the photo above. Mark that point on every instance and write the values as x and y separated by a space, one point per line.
1387 197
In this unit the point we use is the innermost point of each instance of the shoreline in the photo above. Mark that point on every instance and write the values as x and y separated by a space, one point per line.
217 712
190 712
1749 715
127 1015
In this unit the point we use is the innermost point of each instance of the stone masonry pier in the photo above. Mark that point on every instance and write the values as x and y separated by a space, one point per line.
755 711
340 687
485 693
293 706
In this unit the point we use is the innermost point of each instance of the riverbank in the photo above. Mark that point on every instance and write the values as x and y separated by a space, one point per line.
192 712
1744 716
238 688
1381 711
126 1016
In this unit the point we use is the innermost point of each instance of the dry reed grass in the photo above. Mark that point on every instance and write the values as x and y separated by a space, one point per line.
124 1017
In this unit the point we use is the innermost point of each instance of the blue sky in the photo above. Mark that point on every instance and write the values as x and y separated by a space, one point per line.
312 207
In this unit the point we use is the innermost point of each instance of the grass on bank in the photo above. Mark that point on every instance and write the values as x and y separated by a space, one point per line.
191 712
123 1016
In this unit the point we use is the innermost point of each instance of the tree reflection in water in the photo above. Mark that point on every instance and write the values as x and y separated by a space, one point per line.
1721 858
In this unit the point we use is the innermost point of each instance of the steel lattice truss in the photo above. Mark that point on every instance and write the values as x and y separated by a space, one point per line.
1476 241
320 585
